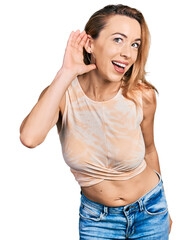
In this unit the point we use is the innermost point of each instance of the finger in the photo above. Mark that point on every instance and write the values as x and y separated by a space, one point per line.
83 42
74 37
91 67
81 35
86 43
70 38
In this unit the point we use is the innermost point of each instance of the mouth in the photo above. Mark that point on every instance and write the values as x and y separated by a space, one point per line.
120 66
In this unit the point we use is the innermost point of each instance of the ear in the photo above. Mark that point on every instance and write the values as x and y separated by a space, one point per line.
89 44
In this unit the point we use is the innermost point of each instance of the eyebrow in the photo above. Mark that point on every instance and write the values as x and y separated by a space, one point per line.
122 34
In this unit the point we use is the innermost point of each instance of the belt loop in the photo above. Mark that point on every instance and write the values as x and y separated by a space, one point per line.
141 207
105 210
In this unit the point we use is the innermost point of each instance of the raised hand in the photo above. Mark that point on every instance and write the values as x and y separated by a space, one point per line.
73 58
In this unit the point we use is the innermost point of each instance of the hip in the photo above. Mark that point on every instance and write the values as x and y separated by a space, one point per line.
146 217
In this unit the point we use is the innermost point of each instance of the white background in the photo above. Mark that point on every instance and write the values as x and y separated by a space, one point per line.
39 197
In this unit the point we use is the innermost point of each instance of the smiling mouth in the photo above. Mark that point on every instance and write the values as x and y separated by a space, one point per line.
119 64
119 67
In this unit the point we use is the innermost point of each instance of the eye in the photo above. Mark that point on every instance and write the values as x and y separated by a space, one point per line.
118 40
136 45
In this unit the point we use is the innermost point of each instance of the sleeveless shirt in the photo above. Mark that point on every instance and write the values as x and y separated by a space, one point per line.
101 140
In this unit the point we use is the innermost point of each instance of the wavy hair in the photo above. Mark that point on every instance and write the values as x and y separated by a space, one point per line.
134 79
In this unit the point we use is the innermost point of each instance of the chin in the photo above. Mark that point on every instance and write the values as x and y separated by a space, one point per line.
111 77
115 78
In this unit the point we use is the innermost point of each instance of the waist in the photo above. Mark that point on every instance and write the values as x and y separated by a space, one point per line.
120 193
144 200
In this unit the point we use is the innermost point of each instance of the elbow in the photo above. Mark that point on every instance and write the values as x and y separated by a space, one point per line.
30 138
28 141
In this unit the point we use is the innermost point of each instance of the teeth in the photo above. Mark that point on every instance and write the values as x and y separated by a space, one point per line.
120 64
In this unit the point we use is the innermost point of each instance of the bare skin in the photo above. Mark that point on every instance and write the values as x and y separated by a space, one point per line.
100 82
119 42
121 193
41 119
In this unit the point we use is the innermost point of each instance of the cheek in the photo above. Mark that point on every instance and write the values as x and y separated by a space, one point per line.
104 56
105 50
134 56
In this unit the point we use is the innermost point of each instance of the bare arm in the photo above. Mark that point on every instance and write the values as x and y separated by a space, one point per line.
149 108
45 113
151 156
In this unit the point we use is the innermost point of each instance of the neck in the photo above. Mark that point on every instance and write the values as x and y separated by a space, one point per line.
97 87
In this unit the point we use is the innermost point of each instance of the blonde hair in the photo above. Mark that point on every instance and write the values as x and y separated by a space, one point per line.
134 79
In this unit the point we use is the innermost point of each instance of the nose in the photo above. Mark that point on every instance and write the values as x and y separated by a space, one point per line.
126 51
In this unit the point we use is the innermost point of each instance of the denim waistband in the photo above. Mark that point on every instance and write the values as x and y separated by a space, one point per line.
139 203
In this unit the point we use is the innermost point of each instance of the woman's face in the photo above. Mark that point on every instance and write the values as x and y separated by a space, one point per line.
116 48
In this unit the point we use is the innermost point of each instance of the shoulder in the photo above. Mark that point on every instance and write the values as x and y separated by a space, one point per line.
149 101
149 97
148 94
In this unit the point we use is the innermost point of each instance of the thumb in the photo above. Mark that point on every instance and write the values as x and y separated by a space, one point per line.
91 67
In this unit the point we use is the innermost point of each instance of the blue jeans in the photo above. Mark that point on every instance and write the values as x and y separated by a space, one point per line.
147 218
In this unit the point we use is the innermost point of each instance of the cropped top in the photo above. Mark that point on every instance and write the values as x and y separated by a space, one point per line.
101 140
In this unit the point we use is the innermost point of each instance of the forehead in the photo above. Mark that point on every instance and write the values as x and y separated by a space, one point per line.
123 24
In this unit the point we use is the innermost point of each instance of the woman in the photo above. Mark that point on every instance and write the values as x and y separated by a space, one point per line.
104 110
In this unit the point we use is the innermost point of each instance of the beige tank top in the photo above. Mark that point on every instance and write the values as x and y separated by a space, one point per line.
101 140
